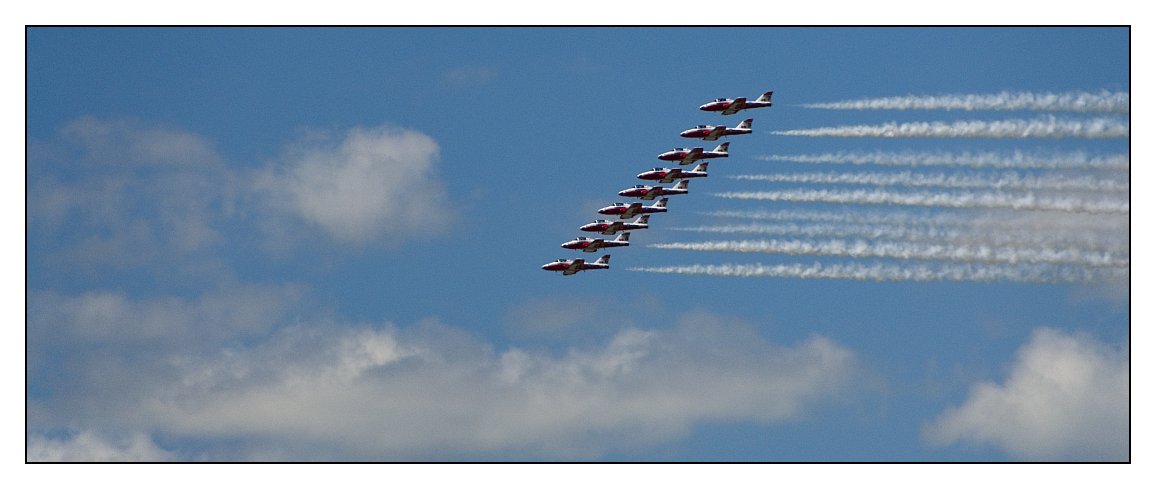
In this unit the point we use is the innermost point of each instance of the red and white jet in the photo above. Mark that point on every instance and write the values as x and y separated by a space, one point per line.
570 267
667 175
647 192
729 106
591 245
686 156
609 227
624 211
712 133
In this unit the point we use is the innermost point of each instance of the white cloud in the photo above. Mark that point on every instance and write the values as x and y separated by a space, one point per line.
432 391
116 194
88 446
326 390
1066 398
375 184
123 142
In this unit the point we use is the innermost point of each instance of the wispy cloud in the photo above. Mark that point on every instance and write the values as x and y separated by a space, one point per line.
114 195
89 446
1066 398
468 76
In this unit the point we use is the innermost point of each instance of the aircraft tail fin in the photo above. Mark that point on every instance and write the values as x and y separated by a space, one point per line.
643 219
623 238
701 167
766 97
605 260
681 185
746 124
661 203
722 148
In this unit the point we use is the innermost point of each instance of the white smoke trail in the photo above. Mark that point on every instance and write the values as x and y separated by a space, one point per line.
1044 127
1084 239
865 217
1026 201
1040 221
1104 101
1017 159
907 251
909 272
910 179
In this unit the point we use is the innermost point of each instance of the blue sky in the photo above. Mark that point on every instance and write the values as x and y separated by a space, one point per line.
324 244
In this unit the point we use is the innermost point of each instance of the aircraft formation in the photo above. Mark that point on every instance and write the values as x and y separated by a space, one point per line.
640 211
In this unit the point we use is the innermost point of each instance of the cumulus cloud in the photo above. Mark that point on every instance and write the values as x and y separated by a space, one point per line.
324 390
1066 399
373 184
94 357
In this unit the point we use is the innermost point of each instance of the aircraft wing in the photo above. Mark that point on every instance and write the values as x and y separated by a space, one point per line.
736 106
650 194
575 267
671 176
690 157
594 245
715 133
631 211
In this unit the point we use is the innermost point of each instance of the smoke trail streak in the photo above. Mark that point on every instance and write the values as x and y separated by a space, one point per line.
1045 127
1050 222
954 200
1017 159
918 272
1088 240
906 251
910 179
867 217
1114 102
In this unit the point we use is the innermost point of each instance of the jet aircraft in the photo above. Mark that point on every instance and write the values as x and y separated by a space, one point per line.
570 267
591 245
668 175
712 133
625 211
686 156
609 227
729 106
647 192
